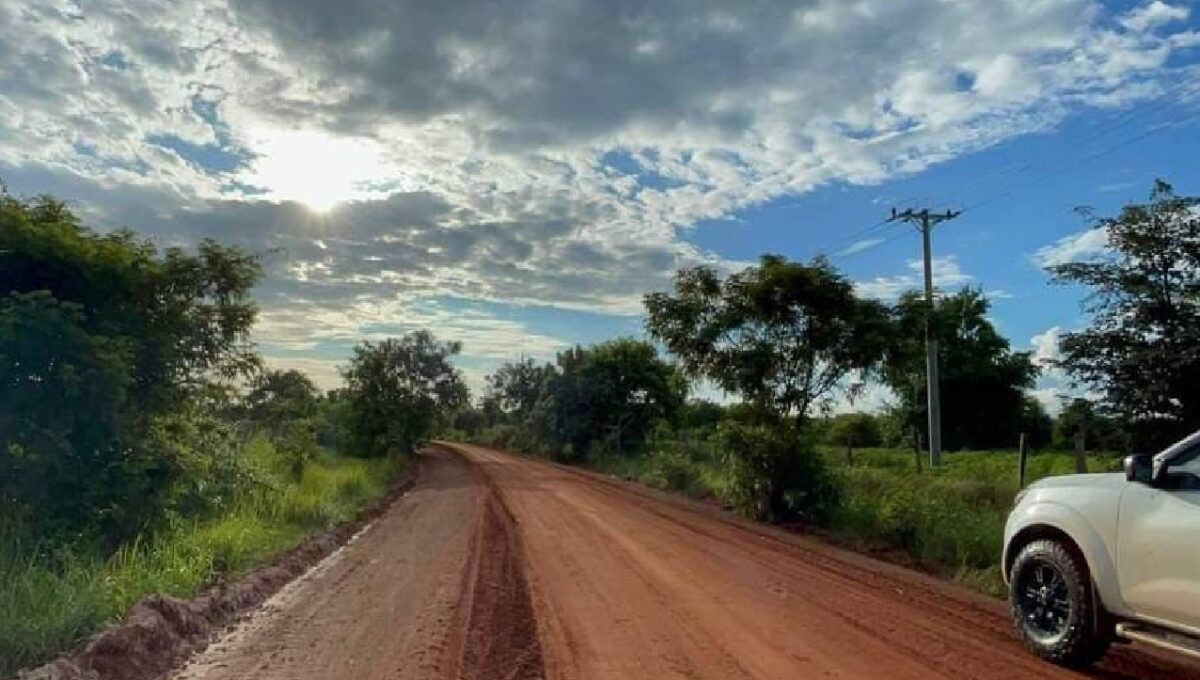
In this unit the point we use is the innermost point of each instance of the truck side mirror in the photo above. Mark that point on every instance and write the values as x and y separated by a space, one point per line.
1140 468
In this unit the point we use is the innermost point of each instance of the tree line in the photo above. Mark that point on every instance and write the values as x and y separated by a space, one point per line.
129 384
786 339
128 376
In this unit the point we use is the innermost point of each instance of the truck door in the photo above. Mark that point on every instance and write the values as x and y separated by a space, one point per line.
1158 537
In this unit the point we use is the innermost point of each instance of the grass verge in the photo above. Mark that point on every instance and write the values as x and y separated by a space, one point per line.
950 521
51 596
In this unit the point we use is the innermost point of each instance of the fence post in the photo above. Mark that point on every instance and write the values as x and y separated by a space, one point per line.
1022 459
1080 452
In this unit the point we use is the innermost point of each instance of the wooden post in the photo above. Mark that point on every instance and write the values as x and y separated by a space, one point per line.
1022 459
1080 452
917 449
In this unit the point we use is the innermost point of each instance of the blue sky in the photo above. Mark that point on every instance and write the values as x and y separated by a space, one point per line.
517 175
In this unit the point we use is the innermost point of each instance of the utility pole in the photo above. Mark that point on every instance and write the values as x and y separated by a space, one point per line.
925 221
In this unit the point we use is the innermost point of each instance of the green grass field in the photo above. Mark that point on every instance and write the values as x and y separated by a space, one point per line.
53 596
951 520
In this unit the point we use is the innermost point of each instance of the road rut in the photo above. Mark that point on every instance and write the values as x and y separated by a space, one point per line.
497 566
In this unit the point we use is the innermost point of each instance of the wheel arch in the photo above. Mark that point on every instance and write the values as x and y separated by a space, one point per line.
1052 521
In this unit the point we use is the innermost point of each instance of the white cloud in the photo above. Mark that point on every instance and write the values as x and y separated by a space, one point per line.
1073 248
1046 351
1154 14
947 275
476 140
860 246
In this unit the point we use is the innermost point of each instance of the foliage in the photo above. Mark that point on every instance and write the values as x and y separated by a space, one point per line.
982 380
951 520
1142 347
104 345
1081 418
783 334
279 397
775 474
854 430
1036 423
608 396
53 594
517 387
396 390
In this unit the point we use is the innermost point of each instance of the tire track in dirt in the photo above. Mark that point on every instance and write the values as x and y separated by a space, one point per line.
629 583
434 590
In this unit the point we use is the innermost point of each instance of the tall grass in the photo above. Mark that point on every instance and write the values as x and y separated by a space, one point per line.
951 520
52 595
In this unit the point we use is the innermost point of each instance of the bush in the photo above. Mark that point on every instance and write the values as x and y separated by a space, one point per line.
776 475
53 594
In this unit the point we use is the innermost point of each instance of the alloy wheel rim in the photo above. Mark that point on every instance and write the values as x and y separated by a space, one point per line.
1044 600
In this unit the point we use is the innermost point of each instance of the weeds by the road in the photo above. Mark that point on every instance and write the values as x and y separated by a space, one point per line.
54 595
951 521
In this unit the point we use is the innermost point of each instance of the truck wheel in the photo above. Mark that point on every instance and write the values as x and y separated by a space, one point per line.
1050 595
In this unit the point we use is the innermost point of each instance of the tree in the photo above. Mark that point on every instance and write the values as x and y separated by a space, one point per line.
1141 350
1080 418
855 430
397 389
105 344
610 394
982 379
516 387
279 397
783 334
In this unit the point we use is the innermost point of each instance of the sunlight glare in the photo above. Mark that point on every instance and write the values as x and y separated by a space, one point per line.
313 168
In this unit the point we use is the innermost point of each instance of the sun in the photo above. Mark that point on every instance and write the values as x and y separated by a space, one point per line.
314 168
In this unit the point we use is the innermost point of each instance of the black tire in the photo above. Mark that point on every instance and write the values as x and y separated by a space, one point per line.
1050 596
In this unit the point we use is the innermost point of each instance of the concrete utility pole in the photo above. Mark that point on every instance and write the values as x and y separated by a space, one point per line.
925 221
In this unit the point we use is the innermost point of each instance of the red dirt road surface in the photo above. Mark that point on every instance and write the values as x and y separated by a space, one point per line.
502 567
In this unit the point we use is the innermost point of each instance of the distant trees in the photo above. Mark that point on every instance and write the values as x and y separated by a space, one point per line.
396 390
1141 350
854 430
783 335
983 381
609 395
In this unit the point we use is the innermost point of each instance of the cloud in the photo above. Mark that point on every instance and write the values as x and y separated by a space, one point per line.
1046 351
384 151
1083 245
1152 15
860 246
947 274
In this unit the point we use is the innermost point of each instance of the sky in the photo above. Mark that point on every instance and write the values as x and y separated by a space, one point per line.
516 174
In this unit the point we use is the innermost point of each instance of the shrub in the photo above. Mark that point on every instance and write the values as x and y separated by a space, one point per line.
775 474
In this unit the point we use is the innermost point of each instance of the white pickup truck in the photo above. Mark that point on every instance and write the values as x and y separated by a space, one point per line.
1097 558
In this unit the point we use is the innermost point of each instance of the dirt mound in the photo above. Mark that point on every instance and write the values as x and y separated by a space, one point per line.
159 632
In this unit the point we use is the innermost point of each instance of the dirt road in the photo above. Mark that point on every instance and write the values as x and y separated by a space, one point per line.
501 567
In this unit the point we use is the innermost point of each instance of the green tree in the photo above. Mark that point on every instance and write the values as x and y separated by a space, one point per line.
103 343
396 391
610 395
982 379
855 430
784 335
516 387
286 406
1141 349
278 397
